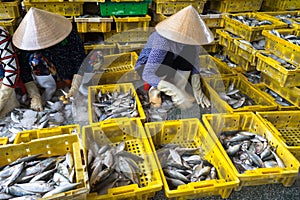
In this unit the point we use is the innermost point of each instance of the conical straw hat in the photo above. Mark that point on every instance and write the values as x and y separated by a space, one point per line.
186 27
41 29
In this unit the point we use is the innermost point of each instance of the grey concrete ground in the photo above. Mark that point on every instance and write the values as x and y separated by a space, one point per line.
261 192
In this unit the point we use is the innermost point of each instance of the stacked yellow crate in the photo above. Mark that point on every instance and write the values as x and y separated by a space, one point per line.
234 6
10 12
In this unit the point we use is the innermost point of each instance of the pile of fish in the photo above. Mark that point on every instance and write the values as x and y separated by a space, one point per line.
249 150
250 21
280 100
55 113
224 58
288 17
235 98
184 165
258 45
113 105
283 63
290 37
33 177
253 76
112 167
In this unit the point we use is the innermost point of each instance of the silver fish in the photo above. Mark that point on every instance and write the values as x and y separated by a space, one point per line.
61 189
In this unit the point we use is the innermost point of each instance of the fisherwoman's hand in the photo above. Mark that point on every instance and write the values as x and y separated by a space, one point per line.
180 98
198 94
77 79
36 100
5 93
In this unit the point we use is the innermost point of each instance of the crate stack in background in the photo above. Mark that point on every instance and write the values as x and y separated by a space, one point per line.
10 14
234 6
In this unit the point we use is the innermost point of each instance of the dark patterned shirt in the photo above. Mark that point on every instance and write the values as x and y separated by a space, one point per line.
66 56
159 49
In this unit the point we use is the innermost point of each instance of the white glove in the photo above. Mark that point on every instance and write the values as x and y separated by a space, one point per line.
198 94
154 97
77 79
5 94
34 94
180 98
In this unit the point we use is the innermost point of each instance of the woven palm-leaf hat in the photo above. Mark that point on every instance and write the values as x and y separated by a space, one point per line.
186 27
40 29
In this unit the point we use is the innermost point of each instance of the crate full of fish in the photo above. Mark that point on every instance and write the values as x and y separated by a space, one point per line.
248 50
48 168
191 165
284 125
282 103
35 134
271 5
134 23
118 68
239 60
213 20
235 94
130 46
172 7
231 6
227 39
286 74
284 43
93 24
9 24
249 26
234 67
121 163
292 18
211 66
213 47
63 8
110 8
11 9
3 140
291 94
254 153
114 101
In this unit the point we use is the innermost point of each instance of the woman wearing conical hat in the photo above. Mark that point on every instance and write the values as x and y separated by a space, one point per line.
171 57
51 53
9 72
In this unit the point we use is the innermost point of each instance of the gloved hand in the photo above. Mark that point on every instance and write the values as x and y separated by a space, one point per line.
199 95
34 94
77 79
154 97
5 94
180 98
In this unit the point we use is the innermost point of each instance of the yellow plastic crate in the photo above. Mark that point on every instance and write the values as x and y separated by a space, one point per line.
118 68
220 84
273 68
283 48
55 146
285 126
291 94
213 20
210 48
295 22
246 51
95 24
3 141
262 87
248 121
234 70
170 7
9 24
271 5
127 23
122 87
226 40
131 132
127 36
30 135
210 62
247 32
190 133
62 8
231 6
107 49
240 61
129 47
9 10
